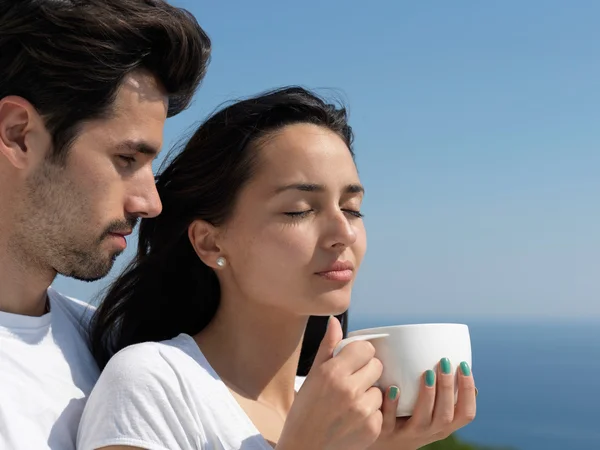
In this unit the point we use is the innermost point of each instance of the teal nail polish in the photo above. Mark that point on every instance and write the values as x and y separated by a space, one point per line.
393 394
445 366
465 369
429 378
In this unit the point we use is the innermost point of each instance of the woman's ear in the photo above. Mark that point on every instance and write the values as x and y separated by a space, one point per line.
203 237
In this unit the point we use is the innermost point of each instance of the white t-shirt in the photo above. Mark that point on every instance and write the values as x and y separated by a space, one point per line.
46 372
165 396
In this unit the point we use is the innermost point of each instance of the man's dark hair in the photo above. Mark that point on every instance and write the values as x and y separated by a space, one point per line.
69 57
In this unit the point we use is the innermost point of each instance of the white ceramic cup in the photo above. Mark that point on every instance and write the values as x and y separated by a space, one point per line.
407 351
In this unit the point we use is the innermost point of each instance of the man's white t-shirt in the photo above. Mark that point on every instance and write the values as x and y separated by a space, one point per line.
165 396
46 373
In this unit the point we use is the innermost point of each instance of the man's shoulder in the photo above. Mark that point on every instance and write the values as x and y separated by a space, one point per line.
69 302
76 311
76 303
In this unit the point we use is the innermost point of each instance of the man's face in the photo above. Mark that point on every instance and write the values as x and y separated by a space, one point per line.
76 214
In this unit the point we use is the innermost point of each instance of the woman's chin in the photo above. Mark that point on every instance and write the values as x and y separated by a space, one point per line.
333 303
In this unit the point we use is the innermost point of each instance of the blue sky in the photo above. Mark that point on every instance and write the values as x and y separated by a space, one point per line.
476 138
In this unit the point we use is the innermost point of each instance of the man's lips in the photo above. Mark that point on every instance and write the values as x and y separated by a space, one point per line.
121 233
120 238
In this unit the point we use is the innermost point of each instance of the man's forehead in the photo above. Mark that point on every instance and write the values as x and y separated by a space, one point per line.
141 89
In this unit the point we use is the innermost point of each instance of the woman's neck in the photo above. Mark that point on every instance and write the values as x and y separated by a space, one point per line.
255 351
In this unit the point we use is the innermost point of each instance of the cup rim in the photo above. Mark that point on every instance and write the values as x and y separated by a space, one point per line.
384 329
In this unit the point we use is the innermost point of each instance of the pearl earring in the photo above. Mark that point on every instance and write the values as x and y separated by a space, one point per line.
221 261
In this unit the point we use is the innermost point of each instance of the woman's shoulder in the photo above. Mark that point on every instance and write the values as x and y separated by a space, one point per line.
143 390
164 359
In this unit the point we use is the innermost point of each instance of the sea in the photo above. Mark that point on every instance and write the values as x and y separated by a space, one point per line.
538 381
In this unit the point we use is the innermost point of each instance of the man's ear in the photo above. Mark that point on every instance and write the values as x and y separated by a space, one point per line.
22 132
203 237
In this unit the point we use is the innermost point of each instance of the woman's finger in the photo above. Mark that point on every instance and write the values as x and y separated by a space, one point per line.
443 413
423 411
368 375
466 406
354 356
390 404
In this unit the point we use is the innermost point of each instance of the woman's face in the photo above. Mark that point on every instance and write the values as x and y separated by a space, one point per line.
296 237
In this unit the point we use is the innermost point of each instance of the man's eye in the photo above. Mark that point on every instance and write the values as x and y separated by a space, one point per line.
129 160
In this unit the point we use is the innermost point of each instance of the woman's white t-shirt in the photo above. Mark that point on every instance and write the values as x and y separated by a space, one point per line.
165 396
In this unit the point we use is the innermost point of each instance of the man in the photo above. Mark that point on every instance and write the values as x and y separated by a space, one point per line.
85 89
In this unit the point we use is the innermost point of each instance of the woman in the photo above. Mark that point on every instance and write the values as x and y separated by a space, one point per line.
260 230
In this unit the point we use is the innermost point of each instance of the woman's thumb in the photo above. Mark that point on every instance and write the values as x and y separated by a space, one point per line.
333 335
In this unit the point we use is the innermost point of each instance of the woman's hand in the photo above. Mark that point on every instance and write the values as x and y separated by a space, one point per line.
337 407
435 416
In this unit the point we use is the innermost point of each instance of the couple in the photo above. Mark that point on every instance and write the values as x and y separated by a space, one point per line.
250 238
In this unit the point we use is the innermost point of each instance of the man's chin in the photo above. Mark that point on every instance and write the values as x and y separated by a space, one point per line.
85 278
91 271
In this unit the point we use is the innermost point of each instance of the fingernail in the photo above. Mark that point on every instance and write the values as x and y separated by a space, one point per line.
429 378
393 393
465 369
445 366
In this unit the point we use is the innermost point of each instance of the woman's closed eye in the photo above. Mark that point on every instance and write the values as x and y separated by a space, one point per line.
305 213
354 213
298 214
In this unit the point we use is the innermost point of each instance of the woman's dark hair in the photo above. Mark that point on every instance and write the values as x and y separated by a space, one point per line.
167 289
68 57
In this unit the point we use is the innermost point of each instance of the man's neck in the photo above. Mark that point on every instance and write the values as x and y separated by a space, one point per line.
23 287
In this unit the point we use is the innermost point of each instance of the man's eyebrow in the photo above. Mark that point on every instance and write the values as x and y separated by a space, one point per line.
139 147
311 187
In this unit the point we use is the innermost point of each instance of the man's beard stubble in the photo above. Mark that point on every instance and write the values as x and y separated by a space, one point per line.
91 265
52 228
